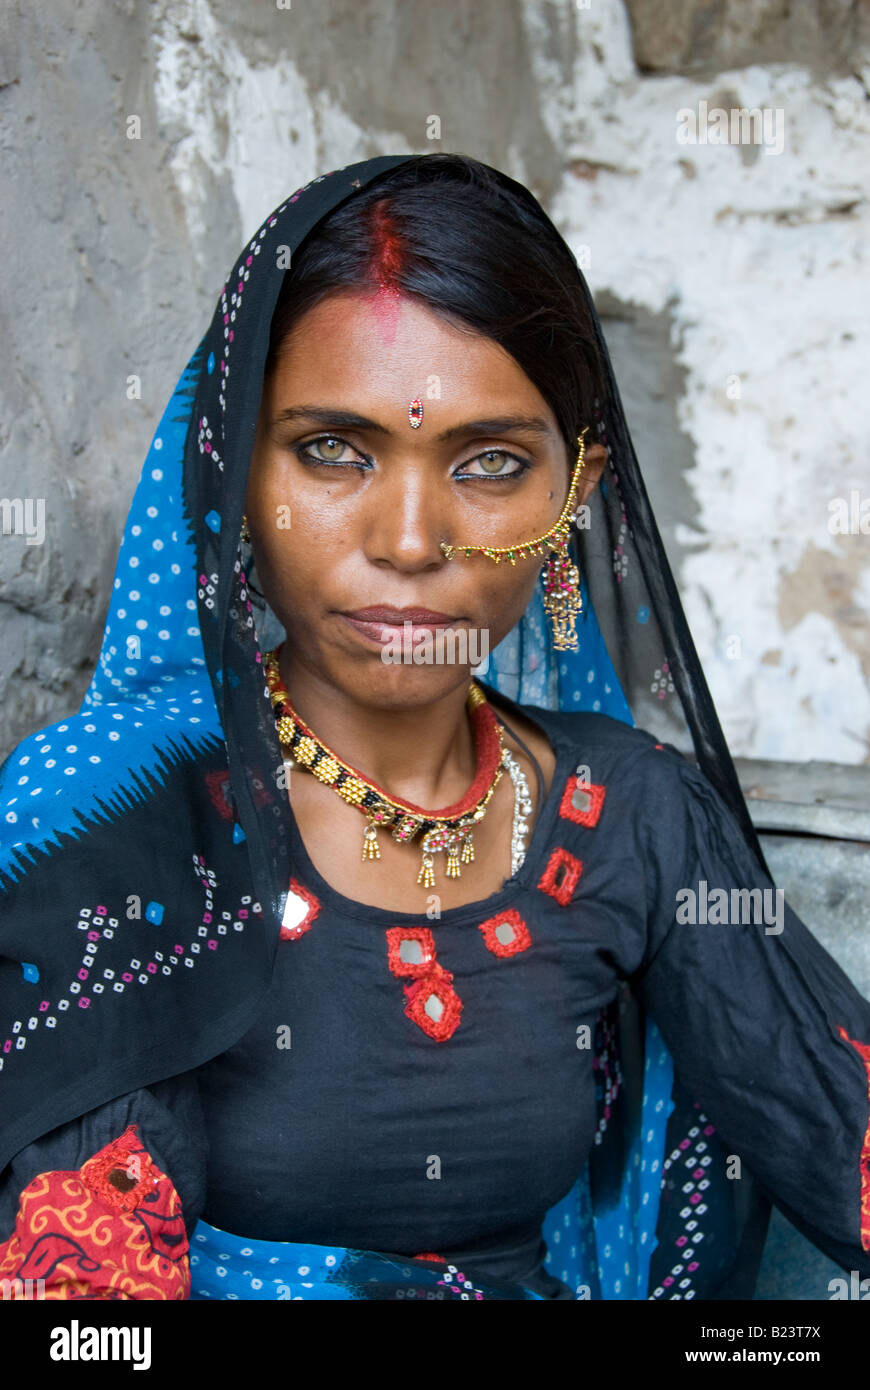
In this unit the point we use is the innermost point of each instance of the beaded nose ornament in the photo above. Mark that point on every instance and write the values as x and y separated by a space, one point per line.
449 829
562 598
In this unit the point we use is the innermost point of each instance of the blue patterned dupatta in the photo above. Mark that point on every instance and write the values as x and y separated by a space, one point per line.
161 793
225 1266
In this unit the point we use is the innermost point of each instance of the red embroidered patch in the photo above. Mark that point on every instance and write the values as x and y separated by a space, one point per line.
412 960
218 784
863 1050
433 1003
582 802
506 933
300 910
430 1255
561 876
112 1229
121 1172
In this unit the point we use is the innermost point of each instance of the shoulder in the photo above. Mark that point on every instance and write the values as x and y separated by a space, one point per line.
612 751
600 737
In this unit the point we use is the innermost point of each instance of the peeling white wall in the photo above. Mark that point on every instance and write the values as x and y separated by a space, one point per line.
736 263
766 281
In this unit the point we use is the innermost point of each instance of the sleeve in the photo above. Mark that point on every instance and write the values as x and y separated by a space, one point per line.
102 1207
765 1028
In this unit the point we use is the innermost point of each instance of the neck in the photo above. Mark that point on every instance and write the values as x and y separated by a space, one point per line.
422 754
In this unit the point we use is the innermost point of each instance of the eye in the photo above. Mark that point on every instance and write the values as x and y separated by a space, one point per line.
492 462
329 450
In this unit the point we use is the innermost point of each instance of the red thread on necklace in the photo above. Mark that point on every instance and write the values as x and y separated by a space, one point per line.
487 746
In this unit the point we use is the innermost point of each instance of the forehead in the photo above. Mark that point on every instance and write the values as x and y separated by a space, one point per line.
384 342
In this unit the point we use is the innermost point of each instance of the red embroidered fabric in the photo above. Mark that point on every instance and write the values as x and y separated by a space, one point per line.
113 1229
298 915
582 802
505 934
431 982
396 936
435 984
863 1050
561 876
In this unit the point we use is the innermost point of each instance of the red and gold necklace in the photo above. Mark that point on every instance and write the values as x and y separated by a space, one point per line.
449 829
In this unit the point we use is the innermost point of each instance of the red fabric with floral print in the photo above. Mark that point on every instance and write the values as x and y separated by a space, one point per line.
113 1229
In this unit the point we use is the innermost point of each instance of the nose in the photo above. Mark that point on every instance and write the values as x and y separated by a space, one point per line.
405 515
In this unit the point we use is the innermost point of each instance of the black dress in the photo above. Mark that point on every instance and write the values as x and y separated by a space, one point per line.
426 1085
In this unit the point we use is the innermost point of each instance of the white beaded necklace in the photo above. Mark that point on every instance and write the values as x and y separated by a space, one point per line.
522 809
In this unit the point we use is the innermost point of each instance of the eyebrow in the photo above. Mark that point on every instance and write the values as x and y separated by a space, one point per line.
348 419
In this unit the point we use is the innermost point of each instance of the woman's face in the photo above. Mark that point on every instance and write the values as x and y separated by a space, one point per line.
347 504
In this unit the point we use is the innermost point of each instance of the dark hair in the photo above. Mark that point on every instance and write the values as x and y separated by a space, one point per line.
443 228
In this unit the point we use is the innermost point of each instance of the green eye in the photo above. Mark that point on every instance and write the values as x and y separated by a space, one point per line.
324 446
330 448
493 462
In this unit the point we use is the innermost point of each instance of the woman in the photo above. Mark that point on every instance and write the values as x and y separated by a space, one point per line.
335 971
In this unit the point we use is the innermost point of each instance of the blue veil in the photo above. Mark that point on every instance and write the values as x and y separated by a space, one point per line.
160 791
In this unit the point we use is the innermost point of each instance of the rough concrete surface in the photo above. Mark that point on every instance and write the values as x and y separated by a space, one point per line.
730 278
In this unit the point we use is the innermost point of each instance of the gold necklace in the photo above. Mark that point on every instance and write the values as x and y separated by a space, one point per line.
449 829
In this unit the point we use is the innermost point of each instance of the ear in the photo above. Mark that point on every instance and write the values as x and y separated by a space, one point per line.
590 475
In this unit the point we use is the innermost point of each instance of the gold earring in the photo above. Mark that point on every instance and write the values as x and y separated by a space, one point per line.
245 534
562 598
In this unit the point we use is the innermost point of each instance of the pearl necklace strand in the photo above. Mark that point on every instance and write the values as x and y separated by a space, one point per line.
522 809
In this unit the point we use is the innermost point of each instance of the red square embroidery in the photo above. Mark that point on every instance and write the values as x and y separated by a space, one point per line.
561 876
433 1003
300 910
506 933
582 802
218 784
415 960
121 1172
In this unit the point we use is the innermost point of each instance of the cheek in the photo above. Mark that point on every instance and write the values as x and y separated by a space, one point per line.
500 593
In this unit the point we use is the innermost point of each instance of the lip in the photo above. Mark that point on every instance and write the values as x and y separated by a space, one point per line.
396 617
391 627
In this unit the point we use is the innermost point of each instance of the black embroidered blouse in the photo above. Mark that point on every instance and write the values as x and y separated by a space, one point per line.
426 1085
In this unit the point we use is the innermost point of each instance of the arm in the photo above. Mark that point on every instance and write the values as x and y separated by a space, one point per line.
102 1220
765 1028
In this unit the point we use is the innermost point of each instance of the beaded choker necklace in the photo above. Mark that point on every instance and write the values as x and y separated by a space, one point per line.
449 829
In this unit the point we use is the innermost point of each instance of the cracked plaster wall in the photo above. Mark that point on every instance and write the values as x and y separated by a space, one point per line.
711 264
